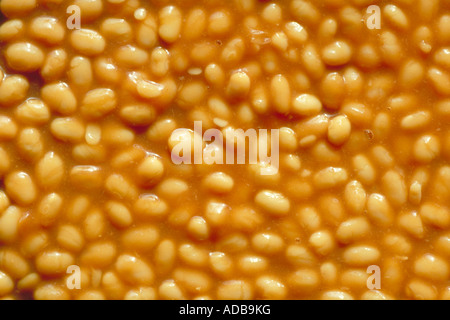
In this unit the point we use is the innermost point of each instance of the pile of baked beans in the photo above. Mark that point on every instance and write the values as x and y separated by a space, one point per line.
87 180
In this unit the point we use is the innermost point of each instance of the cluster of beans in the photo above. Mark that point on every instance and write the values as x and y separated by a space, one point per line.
86 123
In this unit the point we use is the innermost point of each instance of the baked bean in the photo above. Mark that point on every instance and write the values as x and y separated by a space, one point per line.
67 129
9 129
281 93
165 254
440 79
394 188
270 288
328 271
106 70
33 112
273 202
70 238
9 224
50 170
29 282
196 20
443 22
119 214
49 209
312 61
322 242
150 206
4 201
219 182
379 209
54 65
355 196
198 228
411 73
435 215
6 284
219 23
305 280
375 295
171 188
113 134
368 56
234 290
60 98
361 255
192 280
221 263
20 187
120 187
412 223
99 254
267 243
130 56
355 279
214 74
117 29
330 177
170 23
80 72
402 102
47 29
390 47
11 29
306 105
332 90
89 9
33 243
51 292
169 290
364 169
24 57
98 102
431 267
52 263
396 16
146 33
420 290
426 148
134 270
339 129
30 145
91 295
87 42
216 213
300 256
296 32
13 89
93 225
113 286
238 85
337 53
309 218
306 11
353 229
